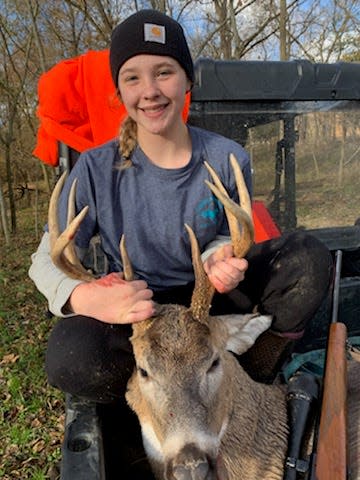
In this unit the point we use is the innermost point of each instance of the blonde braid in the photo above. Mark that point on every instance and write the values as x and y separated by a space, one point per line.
127 140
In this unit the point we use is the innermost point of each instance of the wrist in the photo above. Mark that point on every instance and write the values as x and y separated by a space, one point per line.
78 300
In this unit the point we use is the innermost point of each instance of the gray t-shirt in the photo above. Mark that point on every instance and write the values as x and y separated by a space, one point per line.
150 205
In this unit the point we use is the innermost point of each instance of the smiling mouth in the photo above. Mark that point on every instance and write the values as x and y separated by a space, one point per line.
154 109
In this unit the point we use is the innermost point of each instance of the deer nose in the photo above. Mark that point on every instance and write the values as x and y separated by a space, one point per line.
190 464
199 471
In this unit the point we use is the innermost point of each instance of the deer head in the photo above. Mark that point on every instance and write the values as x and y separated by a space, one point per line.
181 386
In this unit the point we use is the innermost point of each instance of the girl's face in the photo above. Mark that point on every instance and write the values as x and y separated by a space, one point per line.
153 90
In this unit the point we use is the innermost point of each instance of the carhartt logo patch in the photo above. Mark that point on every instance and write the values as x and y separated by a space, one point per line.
154 33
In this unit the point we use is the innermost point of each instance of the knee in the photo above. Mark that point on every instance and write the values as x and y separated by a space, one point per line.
298 281
88 358
69 354
311 258
61 373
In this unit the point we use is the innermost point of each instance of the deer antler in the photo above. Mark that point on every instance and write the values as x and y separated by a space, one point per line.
240 225
241 232
127 267
62 249
203 289
239 216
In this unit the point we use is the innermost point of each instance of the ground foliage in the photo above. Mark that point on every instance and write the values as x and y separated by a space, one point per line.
31 412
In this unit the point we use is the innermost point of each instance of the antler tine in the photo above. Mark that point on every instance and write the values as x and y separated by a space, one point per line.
244 196
53 223
69 250
62 250
138 328
127 267
203 290
239 216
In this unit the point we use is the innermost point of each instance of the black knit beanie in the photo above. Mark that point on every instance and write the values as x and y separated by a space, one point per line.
149 32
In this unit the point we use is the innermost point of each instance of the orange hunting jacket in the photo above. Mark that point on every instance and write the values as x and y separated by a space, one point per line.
78 106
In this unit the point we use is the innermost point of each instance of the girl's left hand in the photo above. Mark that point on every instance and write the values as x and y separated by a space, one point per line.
224 270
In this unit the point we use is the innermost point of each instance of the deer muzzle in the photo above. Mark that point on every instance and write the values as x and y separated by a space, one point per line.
191 464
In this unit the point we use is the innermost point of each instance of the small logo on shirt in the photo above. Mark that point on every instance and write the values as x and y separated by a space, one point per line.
208 211
154 33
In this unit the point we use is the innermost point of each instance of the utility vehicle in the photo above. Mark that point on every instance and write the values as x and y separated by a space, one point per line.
300 123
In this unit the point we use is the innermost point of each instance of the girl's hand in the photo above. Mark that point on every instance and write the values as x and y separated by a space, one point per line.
224 270
111 299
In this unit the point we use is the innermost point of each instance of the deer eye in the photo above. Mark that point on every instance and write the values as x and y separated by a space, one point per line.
143 372
214 365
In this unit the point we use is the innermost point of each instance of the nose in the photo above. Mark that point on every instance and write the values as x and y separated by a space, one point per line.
190 464
150 88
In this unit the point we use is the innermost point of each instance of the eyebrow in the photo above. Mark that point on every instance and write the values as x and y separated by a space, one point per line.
164 63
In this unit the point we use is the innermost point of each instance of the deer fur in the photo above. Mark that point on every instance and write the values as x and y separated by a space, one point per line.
196 395
198 407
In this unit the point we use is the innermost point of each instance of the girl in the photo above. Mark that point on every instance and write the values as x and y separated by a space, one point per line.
147 184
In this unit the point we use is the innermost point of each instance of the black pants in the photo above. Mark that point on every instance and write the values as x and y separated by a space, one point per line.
287 277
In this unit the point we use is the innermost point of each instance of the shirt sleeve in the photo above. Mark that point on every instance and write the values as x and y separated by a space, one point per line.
49 280
219 241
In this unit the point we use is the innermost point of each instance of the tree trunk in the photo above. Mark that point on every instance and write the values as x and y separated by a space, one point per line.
282 31
9 179
46 178
342 156
4 218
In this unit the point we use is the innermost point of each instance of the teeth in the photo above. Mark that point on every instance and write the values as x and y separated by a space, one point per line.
154 109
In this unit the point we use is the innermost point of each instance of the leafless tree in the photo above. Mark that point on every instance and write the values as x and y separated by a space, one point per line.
13 80
4 223
325 32
36 34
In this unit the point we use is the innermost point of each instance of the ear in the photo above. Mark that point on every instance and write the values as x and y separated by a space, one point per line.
118 96
140 328
244 329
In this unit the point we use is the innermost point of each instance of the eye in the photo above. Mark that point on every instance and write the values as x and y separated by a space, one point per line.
131 79
164 73
143 372
214 365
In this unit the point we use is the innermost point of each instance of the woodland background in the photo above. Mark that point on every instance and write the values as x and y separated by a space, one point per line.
34 36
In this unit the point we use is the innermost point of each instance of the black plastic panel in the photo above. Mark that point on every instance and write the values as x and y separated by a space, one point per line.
256 80
82 449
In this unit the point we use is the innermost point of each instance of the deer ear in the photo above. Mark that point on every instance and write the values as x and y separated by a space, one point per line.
139 328
243 330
